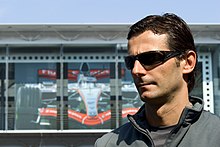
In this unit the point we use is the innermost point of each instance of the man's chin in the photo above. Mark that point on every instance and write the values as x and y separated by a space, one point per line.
149 96
146 98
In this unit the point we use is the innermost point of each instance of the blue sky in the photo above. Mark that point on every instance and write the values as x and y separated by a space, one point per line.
105 11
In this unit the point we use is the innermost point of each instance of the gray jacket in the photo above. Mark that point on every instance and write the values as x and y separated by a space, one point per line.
196 128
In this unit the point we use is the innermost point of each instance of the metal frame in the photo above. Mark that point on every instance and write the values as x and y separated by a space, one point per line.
207 79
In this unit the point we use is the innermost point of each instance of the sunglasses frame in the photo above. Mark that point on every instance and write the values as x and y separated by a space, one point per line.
165 55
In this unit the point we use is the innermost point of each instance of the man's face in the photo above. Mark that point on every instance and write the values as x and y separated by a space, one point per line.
160 82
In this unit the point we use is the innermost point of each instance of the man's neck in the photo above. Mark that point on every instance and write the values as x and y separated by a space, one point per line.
167 114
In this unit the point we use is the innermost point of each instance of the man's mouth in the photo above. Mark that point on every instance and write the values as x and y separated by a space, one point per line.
146 84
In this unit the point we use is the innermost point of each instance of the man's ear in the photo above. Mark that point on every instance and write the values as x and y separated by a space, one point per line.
189 62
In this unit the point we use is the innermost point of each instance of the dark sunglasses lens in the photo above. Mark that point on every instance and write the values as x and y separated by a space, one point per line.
151 58
129 62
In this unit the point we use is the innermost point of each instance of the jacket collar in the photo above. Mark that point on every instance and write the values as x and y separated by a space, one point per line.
191 114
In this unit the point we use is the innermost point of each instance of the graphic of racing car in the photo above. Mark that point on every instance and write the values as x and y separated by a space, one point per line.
88 103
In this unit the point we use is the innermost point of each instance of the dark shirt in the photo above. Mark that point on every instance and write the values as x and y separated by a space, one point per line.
160 134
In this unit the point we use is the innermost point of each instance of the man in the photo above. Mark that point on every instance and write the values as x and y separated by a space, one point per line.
162 59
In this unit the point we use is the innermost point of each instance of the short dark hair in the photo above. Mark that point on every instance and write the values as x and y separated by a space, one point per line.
178 33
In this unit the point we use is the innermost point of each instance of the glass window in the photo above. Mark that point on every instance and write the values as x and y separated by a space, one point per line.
35 90
32 86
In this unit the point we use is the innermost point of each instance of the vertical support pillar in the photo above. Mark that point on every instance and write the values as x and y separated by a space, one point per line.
115 95
58 95
2 96
11 96
62 96
65 96
119 86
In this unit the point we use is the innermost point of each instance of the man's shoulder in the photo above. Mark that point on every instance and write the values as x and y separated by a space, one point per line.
210 117
120 130
210 121
208 128
123 128
112 137
104 139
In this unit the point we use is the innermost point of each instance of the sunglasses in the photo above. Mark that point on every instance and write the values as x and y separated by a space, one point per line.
150 58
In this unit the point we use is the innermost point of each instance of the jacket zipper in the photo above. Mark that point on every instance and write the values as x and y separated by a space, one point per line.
141 130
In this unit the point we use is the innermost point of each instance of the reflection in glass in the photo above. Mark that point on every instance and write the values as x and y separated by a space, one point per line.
89 95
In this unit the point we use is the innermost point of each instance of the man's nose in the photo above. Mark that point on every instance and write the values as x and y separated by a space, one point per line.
138 68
